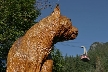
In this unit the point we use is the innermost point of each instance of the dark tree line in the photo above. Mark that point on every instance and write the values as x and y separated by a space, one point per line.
98 54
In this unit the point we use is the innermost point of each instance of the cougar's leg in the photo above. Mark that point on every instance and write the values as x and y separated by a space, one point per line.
47 64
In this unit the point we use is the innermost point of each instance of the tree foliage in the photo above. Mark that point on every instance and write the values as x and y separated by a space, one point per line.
16 17
98 60
58 60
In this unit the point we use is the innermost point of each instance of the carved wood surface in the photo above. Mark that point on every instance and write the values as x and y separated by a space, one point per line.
31 52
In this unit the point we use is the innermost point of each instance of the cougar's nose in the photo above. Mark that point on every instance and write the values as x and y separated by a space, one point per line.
76 32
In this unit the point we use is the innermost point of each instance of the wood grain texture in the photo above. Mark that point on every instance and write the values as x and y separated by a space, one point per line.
31 53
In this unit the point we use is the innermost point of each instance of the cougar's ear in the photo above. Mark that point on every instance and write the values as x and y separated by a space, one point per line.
56 12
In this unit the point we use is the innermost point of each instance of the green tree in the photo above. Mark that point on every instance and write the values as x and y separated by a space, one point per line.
58 60
98 60
16 17
99 57
69 65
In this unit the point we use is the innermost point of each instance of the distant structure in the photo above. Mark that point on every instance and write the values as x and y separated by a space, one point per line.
84 57
31 53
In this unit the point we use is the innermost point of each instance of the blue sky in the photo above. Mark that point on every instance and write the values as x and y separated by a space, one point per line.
91 19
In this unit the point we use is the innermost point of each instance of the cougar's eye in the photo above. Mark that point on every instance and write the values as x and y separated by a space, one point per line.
70 19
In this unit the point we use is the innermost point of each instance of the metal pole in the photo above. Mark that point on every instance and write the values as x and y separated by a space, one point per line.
85 51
